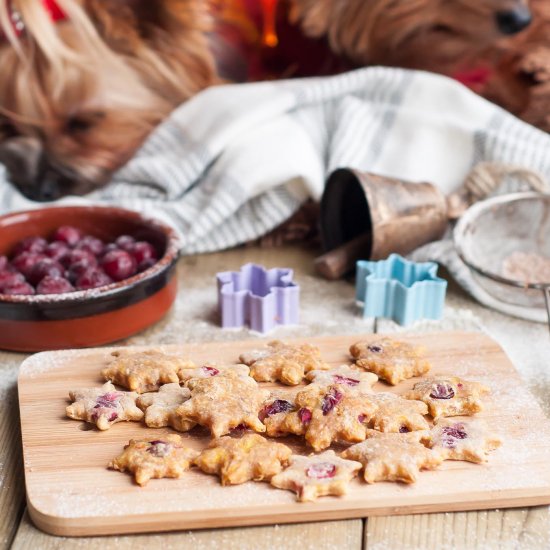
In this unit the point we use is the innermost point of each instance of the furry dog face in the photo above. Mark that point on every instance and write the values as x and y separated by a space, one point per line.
78 97
414 33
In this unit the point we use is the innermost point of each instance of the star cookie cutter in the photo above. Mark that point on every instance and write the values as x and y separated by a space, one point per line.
399 289
257 297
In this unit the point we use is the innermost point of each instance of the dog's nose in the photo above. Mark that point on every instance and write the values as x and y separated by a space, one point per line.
48 187
513 21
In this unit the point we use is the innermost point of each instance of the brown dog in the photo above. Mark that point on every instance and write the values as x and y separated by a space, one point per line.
85 81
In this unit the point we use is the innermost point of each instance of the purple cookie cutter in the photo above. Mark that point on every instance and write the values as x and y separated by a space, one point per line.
257 297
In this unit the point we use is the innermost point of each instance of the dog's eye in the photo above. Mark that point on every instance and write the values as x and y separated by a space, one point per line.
7 130
77 125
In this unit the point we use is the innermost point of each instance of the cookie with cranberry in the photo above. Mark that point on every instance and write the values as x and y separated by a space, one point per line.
395 414
449 395
212 369
167 456
462 440
317 475
327 414
392 360
222 403
103 406
252 457
160 407
282 362
392 456
144 371
349 378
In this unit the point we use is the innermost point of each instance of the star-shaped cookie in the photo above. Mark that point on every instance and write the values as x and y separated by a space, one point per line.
167 456
392 456
391 360
351 379
160 407
449 395
317 475
326 414
282 362
456 439
252 457
103 406
395 414
221 403
144 371
212 369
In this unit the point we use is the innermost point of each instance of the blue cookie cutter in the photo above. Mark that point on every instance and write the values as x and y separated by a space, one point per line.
400 290
258 297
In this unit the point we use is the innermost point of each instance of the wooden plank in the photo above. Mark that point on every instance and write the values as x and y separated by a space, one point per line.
71 493
344 535
528 529
12 487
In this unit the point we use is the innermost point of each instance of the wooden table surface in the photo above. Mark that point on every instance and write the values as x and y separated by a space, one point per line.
327 308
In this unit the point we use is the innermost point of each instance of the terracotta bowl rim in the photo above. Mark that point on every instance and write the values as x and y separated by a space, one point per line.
170 256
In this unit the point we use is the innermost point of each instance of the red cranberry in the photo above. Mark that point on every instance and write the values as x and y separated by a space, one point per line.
362 418
26 261
57 251
108 400
331 399
159 448
109 247
45 267
279 405
8 278
91 244
125 242
143 251
450 434
54 285
78 255
67 234
404 430
442 391
375 349
339 379
30 244
94 277
119 265
4 264
321 470
18 287
304 415
210 371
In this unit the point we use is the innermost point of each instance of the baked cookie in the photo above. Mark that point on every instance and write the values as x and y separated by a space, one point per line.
391 360
462 440
144 371
326 414
349 378
317 475
159 407
103 406
221 403
212 369
393 456
167 456
283 362
252 457
449 395
395 414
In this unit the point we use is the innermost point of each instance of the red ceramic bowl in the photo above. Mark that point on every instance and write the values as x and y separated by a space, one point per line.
88 317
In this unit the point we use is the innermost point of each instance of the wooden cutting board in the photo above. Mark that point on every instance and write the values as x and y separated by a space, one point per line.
70 491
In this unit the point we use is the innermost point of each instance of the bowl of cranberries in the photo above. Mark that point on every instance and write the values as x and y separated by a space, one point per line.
79 276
